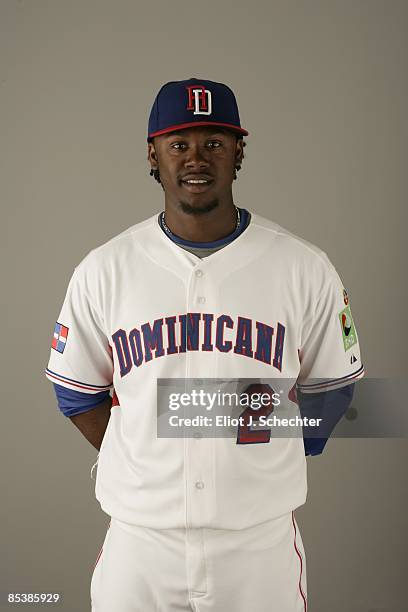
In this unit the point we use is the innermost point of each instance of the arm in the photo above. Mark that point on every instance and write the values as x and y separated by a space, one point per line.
93 423
90 412
80 365
329 356
330 406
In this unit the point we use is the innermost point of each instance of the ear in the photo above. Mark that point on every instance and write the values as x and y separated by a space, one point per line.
239 152
152 155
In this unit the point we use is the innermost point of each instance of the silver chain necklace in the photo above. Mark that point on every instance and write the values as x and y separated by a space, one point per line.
168 230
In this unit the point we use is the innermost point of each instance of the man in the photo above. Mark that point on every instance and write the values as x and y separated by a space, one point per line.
203 290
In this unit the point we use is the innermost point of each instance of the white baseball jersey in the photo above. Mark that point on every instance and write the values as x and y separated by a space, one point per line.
139 308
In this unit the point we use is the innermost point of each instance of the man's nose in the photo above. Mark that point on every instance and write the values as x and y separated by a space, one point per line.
197 156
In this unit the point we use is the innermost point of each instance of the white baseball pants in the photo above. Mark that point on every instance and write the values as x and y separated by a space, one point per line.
259 569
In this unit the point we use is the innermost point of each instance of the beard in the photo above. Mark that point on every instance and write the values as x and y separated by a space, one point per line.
202 209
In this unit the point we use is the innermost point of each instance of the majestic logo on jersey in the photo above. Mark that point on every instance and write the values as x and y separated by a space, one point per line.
196 331
199 100
60 337
347 328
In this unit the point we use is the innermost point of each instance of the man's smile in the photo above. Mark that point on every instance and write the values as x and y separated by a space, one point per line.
197 183
196 187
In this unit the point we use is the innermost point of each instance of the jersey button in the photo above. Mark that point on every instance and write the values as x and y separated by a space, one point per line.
201 299
199 484
199 273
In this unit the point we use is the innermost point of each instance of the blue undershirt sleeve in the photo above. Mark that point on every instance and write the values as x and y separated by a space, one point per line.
329 406
72 402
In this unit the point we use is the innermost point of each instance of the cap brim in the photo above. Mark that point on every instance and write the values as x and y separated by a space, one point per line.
182 126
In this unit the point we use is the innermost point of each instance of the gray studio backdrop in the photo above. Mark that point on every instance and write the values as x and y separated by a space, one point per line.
322 89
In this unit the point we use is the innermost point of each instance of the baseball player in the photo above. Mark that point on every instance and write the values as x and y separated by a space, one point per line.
205 289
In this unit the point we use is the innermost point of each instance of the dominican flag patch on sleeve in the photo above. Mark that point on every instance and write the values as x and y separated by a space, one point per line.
60 337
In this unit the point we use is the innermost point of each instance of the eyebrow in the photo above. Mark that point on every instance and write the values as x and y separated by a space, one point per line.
179 135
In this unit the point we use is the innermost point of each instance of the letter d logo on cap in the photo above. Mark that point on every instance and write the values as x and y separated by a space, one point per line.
199 100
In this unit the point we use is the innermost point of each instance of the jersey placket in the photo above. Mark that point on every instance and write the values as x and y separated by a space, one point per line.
199 450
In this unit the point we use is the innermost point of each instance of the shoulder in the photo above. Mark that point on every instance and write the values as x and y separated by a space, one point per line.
100 266
117 249
293 249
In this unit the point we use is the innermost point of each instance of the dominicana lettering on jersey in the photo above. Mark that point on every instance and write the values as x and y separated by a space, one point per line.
199 332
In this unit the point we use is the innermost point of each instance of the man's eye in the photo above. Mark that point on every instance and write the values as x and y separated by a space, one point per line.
212 144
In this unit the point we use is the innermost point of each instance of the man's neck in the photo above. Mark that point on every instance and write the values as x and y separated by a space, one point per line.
206 227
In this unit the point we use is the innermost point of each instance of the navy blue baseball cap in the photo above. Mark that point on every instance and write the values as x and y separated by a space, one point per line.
194 102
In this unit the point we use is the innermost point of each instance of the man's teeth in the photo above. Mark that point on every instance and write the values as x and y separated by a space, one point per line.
195 181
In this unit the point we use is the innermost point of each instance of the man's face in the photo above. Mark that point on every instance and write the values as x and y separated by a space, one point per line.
196 166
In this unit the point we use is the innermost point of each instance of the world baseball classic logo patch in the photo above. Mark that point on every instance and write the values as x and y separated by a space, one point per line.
347 328
345 297
59 340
